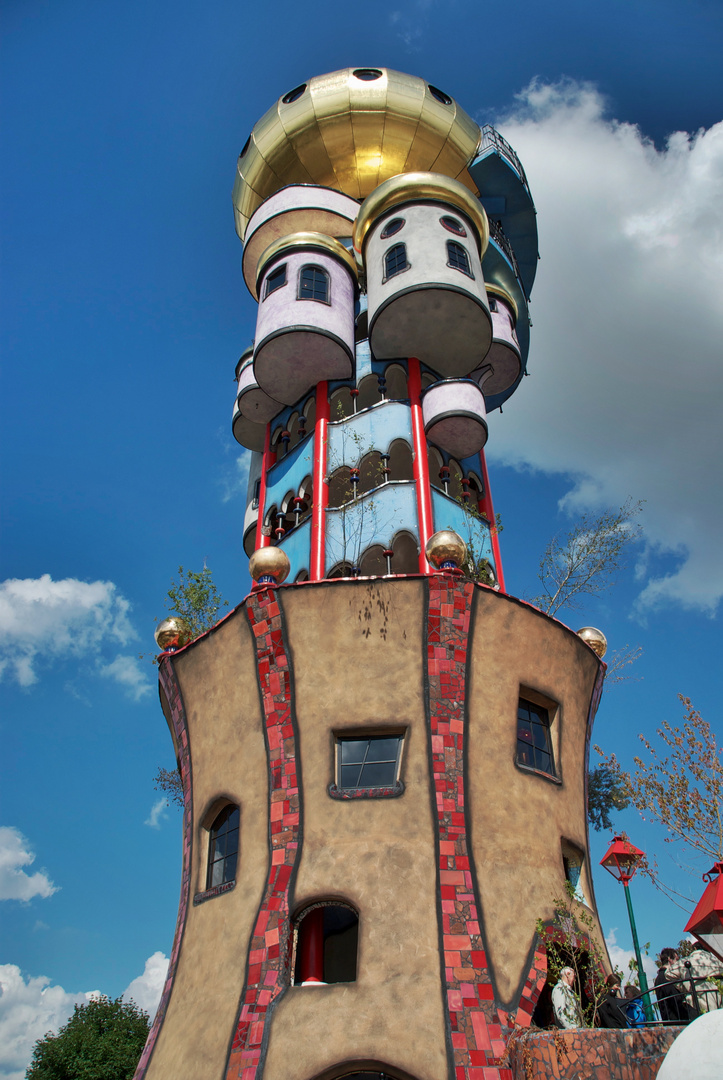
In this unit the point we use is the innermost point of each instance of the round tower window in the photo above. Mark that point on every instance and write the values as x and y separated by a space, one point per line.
367 74
392 227
452 225
294 95
440 95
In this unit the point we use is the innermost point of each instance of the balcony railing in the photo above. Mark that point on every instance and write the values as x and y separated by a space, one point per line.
492 137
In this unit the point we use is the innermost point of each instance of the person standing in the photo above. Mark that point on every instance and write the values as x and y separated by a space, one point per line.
565 1001
610 1012
701 965
634 1006
671 1002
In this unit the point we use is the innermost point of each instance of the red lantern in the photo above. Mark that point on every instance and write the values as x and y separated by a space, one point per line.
621 859
706 922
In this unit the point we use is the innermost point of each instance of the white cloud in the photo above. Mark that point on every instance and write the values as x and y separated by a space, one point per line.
42 619
620 959
147 988
31 1008
128 671
236 480
27 1011
626 356
157 814
15 884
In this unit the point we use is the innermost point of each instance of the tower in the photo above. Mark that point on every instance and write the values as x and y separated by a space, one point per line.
383 761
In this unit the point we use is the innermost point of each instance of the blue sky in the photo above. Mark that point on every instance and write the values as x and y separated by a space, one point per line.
123 315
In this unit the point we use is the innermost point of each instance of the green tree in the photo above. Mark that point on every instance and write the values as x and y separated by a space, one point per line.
605 793
195 597
103 1040
680 786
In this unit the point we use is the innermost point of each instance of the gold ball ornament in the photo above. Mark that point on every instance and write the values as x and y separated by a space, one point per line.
173 633
595 639
269 566
446 550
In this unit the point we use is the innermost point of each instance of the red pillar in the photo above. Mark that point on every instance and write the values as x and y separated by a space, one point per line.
267 461
489 510
311 947
320 487
421 463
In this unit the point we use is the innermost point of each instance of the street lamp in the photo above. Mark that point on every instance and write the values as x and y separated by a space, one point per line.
706 922
621 860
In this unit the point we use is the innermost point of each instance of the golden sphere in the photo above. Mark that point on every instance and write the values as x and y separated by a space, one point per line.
173 633
269 562
595 639
446 546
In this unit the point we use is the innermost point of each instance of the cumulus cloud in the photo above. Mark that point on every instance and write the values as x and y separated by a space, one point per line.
128 671
29 1009
626 356
147 988
43 620
235 480
15 883
157 814
620 959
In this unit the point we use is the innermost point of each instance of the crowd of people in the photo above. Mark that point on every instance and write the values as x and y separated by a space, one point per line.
678 1002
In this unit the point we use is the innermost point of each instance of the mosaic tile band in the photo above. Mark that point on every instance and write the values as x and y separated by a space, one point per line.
475 1026
267 974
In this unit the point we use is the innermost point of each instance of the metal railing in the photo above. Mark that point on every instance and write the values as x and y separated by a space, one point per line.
689 998
492 137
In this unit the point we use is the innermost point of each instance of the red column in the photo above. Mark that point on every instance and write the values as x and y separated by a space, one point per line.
311 947
320 488
421 463
489 510
267 461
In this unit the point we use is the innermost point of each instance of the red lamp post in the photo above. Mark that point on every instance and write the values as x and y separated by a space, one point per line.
706 922
621 860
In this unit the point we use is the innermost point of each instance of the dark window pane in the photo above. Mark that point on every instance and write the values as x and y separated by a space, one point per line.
216 874
314 284
232 842
233 818
230 867
218 848
534 746
353 750
383 749
350 776
458 257
391 228
452 225
275 280
380 774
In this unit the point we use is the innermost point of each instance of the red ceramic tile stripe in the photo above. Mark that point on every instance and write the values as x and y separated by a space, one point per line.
268 964
473 1019
169 683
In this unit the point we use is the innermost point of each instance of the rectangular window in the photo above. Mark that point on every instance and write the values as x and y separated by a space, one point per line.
534 745
366 762
275 280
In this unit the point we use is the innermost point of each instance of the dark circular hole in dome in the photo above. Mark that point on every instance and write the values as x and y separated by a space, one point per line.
294 95
246 146
367 74
440 95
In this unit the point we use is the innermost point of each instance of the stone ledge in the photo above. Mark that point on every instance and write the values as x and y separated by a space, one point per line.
592 1053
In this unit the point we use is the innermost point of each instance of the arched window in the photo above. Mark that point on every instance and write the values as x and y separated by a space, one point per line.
458 258
406 554
395 261
401 462
341 490
326 936
435 463
455 479
341 404
223 847
368 392
310 413
279 446
396 378
341 570
371 471
314 284
373 563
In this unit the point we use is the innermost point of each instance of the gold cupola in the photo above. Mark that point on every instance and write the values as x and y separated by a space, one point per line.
351 130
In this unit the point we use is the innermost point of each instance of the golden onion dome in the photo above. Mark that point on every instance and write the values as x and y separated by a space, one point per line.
172 633
269 565
595 639
420 187
350 130
444 548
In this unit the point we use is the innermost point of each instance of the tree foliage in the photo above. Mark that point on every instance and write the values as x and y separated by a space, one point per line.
103 1040
605 793
169 782
586 560
195 597
680 785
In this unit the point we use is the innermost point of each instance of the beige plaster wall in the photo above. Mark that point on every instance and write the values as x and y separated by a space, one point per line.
358 662
518 817
218 682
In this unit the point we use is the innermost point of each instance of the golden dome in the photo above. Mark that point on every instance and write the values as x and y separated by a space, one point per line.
269 562
595 639
351 130
172 633
446 546
420 187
